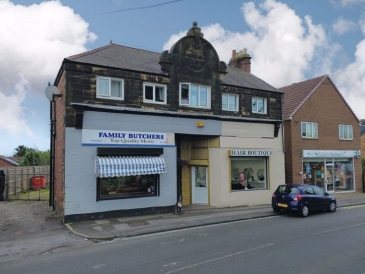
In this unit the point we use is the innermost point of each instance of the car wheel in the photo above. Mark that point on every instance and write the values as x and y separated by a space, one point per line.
304 211
332 207
276 209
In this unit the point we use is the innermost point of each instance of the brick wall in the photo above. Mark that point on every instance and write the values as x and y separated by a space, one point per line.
59 183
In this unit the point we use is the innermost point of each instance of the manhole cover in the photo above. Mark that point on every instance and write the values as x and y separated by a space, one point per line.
137 223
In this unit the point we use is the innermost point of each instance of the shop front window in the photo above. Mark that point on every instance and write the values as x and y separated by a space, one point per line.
248 173
331 174
128 186
128 176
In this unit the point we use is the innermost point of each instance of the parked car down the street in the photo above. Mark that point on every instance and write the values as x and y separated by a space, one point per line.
302 199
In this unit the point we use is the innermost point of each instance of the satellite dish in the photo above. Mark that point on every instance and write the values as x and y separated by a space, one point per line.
52 91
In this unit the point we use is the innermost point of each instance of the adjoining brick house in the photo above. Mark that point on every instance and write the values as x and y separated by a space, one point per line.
136 129
322 144
9 161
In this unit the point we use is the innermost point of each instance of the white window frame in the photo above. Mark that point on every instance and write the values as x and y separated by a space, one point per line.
341 132
264 111
235 96
313 125
154 85
189 103
108 95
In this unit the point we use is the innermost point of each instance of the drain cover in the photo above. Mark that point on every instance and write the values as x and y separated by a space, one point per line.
137 223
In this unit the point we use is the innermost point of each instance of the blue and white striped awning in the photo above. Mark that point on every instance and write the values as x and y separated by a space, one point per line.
116 166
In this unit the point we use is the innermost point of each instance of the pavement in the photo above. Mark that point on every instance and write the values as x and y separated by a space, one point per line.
190 217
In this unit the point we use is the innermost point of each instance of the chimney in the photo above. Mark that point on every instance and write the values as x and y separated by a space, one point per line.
241 60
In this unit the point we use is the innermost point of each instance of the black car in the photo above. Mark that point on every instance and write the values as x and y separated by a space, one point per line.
302 199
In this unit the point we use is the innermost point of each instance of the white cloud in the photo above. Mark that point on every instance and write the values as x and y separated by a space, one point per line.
34 41
287 49
341 26
351 81
282 45
11 110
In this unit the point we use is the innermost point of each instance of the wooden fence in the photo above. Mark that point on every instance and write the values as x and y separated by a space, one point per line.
23 179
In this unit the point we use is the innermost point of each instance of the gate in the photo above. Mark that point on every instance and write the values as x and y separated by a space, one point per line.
26 183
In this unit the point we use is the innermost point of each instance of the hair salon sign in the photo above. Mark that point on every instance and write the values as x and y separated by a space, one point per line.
91 137
250 153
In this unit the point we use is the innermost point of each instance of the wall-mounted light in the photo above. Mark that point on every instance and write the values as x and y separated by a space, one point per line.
200 124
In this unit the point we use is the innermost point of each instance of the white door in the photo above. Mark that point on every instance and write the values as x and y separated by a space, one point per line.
199 185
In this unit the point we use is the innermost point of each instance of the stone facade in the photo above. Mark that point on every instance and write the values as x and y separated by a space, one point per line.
191 60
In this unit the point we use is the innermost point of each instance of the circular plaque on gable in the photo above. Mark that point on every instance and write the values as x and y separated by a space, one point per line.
195 59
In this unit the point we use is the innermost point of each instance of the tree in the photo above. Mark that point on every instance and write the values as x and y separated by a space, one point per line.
20 151
35 157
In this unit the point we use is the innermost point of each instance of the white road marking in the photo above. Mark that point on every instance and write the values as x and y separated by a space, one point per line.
220 258
340 228
351 207
99 266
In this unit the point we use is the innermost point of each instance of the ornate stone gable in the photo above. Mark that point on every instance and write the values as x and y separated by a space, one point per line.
192 55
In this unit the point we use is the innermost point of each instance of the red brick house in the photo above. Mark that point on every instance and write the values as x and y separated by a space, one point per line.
9 161
322 144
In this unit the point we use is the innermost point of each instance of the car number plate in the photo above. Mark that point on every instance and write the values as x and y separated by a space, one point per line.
282 205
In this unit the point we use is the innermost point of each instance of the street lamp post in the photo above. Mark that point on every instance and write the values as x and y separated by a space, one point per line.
52 92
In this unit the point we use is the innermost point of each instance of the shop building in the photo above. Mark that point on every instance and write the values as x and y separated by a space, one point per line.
322 137
135 130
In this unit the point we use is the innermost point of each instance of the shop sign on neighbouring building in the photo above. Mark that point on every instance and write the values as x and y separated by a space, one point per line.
250 152
331 153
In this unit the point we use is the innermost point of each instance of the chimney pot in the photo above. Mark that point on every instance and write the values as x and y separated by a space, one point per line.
234 53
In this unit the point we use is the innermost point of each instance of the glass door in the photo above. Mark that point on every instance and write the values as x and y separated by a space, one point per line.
329 176
199 185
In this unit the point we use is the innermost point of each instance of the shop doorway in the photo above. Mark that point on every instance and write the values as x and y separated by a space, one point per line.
329 178
199 186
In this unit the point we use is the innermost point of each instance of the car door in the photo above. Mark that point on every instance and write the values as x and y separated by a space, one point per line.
322 199
310 198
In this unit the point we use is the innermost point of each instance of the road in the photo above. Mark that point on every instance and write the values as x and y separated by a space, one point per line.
321 243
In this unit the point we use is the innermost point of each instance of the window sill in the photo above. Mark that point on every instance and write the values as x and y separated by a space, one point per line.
110 98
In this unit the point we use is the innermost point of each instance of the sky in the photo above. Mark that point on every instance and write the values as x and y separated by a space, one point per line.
289 41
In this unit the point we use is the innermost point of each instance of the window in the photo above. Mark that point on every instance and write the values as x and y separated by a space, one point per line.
230 102
345 132
309 130
259 105
318 191
110 88
128 186
194 95
309 191
154 93
128 176
248 173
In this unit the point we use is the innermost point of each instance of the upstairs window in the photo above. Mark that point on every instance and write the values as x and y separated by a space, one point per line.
230 102
111 88
345 132
309 130
194 95
259 105
154 93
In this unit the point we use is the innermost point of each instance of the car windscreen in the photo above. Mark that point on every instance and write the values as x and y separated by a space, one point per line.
288 190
